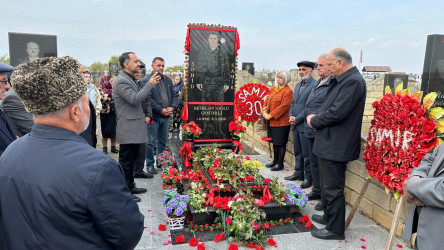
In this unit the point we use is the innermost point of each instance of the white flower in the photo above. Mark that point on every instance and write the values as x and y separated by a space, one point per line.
222 40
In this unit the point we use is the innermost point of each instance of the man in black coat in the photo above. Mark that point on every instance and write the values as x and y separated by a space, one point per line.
7 134
338 139
56 191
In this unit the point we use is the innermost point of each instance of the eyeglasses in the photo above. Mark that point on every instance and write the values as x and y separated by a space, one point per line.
4 81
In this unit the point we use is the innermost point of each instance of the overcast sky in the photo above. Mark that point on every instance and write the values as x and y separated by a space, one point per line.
273 34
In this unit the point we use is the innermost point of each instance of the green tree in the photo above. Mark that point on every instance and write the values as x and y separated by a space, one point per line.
174 69
98 67
5 59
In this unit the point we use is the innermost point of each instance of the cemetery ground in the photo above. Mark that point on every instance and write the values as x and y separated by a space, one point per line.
363 233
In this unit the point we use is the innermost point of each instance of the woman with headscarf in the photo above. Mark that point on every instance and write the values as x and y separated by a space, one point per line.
276 111
108 122
177 113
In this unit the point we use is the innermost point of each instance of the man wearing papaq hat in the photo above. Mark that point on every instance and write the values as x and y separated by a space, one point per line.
7 134
300 142
56 191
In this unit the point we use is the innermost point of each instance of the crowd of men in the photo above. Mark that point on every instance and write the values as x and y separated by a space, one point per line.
55 189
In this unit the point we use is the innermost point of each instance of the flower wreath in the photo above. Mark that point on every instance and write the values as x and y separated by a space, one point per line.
401 133
249 100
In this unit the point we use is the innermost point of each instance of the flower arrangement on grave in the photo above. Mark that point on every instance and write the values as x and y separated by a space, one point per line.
191 130
401 133
175 204
198 196
249 99
172 178
296 196
236 128
278 191
166 160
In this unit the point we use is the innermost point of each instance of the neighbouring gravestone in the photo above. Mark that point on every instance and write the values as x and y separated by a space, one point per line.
433 73
113 68
248 67
394 79
24 47
210 77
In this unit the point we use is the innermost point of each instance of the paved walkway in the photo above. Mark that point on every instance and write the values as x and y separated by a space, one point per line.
373 236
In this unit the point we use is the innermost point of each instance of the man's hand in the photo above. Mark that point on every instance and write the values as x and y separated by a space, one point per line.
309 119
226 88
410 197
292 120
154 79
164 112
199 87
147 120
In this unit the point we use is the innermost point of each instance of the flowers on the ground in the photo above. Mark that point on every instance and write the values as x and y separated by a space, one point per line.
162 227
191 130
193 242
175 203
180 239
271 242
296 196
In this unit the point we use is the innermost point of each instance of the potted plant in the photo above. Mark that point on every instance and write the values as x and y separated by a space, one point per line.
166 160
236 129
172 179
191 131
296 196
176 205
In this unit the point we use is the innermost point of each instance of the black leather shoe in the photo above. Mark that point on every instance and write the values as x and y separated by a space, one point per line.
277 168
306 184
114 150
319 207
313 196
137 190
151 170
294 177
142 175
324 234
270 165
136 199
319 219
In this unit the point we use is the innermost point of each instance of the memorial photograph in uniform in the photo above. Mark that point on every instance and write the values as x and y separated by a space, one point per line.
25 47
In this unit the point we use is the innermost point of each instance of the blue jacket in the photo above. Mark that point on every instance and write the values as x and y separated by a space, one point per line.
7 134
57 192
156 100
298 105
314 102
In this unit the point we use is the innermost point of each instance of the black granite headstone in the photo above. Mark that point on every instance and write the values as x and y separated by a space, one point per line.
248 67
433 73
113 68
25 47
212 119
393 80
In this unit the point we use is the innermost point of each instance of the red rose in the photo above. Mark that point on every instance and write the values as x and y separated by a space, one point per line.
193 242
162 227
228 221
271 242
233 247
180 239
201 246
251 245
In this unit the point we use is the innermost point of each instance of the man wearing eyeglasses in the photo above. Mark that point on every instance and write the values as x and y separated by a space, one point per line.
7 134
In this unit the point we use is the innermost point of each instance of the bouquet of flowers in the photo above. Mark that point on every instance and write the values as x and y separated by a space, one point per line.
236 128
175 203
191 130
172 178
166 160
296 196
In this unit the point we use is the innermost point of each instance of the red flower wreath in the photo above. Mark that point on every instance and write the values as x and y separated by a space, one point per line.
249 100
401 133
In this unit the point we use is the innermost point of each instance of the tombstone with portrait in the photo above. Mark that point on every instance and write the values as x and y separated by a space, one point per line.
25 47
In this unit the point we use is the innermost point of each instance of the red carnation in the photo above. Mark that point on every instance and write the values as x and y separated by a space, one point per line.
162 227
228 221
180 239
193 242
201 246
271 242
233 247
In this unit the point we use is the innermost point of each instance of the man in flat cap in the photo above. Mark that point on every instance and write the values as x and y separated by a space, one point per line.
56 191
300 142
7 134
338 139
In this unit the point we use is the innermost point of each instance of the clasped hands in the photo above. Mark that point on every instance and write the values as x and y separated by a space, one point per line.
410 197
167 111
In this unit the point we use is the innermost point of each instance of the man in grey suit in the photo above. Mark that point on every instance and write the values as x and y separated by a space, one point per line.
300 142
425 189
131 121
21 120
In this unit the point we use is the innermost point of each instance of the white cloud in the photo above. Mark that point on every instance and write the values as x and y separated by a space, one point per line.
369 41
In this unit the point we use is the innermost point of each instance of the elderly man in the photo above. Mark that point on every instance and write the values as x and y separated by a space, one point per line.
56 192
338 139
300 142
314 102
131 120
425 189
163 102
7 134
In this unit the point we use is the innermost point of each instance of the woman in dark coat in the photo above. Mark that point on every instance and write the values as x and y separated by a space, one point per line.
108 115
